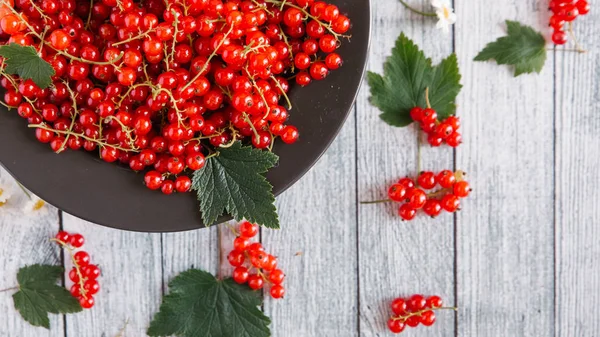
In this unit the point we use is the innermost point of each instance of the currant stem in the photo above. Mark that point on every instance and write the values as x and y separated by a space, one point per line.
75 264
8 289
213 54
418 149
577 45
419 313
376 201
89 18
416 11
427 98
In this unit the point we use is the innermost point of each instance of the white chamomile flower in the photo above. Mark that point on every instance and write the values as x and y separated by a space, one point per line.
445 14
5 193
35 205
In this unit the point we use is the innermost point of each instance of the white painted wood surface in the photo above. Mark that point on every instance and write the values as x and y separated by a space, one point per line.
521 259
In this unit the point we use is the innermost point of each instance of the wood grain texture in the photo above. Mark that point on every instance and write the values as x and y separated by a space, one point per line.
506 232
316 248
398 259
577 195
24 241
131 281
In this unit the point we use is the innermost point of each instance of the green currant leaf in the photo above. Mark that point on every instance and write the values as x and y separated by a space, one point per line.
199 305
523 47
25 62
39 295
407 73
233 181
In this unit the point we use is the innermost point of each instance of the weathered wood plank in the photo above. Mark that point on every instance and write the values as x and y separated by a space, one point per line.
131 283
577 195
316 248
399 258
506 232
24 241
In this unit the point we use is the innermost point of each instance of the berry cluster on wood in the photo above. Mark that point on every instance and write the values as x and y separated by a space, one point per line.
252 264
413 311
160 84
565 12
413 196
438 132
84 274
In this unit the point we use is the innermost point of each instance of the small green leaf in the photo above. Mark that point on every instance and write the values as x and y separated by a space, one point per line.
39 295
523 47
407 73
199 305
233 181
25 62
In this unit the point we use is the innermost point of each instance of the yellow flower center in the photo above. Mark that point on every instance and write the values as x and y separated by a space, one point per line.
446 12
2 203
38 205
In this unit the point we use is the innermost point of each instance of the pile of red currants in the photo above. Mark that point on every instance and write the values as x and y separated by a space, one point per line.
159 85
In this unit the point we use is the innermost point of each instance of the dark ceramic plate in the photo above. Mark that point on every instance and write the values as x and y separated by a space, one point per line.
114 196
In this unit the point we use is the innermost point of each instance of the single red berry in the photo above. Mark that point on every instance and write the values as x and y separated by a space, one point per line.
276 276
429 116
406 212
240 243
407 182
255 281
248 230
399 306
74 275
91 271
416 114
75 290
240 275
277 291
153 180
413 321
461 189
258 258
427 180
82 258
91 287
63 237
432 208
559 37
77 240
434 302
454 140
446 178
428 318
397 192
450 203
396 325
416 303
236 258
183 184
416 198
86 302
271 263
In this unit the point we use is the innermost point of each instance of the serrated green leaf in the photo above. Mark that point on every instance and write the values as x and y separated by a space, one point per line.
523 47
233 181
407 73
199 305
25 62
39 295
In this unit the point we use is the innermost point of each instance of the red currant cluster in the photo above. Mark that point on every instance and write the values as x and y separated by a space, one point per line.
83 274
159 84
414 197
565 11
437 132
252 264
414 311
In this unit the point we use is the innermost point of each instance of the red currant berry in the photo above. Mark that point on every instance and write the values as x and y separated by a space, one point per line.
461 189
91 287
81 258
236 258
240 243
432 208
276 276
416 198
240 275
91 271
255 282
63 236
277 291
428 318
406 212
446 178
427 180
416 303
399 306
76 240
450 203
434 302
397 192
86 302
407 182
396 325
248 230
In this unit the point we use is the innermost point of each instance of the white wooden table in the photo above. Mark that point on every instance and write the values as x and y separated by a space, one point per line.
521 259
